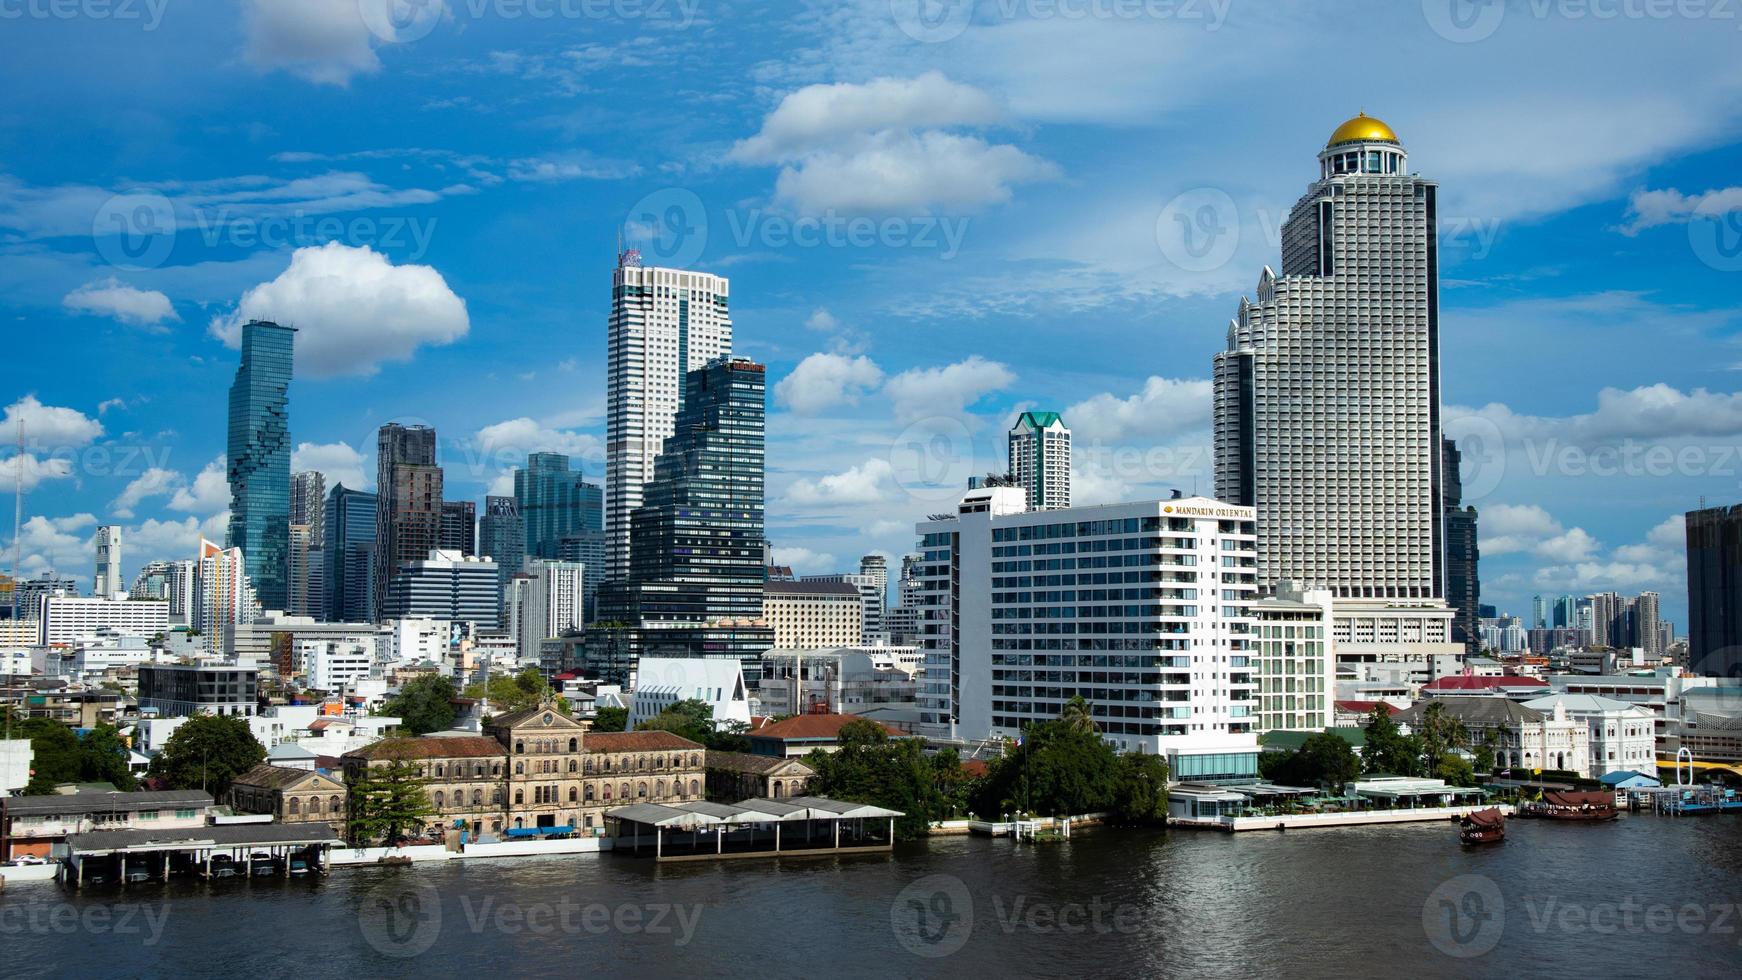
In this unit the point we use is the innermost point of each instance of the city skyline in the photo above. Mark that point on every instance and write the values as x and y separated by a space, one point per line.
874 349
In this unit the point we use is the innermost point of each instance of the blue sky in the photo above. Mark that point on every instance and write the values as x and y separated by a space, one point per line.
930 223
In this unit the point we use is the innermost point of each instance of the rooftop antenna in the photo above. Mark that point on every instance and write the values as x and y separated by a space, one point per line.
17 513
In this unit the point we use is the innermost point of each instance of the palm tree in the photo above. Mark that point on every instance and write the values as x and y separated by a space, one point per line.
1441 734
1076 715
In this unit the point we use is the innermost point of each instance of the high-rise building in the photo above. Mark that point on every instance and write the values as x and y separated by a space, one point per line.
1566 612
172 581
308 565
408 508
698 539
1292 657
590 549
1143 609
1327 398
664 324
1608 620
1646 625
814 614
224 598
28 594
872 632
546 603
877 567
1463 555
349 554
460 526
1040 459
502 539
445 585
555 502
1539 612
259 459
107 582
308 502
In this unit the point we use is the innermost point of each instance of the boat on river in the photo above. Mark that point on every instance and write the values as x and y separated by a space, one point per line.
1573 805
1482 826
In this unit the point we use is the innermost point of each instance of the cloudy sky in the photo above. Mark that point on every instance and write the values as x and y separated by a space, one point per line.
934 214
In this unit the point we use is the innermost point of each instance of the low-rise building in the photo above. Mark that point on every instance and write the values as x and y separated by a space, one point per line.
734 776
180 690
813 613
661 682
38 826
1525 738
1622 735
290 795
797 736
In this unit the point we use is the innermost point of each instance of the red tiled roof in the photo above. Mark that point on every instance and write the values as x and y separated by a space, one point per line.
976 768
431 747
1359 707
655 741
1465 682
813 726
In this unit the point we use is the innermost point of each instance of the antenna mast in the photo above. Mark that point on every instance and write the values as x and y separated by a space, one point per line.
17 513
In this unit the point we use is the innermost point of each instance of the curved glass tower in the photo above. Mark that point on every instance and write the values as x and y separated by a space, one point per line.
259 459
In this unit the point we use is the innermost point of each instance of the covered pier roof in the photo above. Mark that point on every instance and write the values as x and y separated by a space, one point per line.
194 838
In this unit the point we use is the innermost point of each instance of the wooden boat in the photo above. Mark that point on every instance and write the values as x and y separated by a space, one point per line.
1573 805
1482 826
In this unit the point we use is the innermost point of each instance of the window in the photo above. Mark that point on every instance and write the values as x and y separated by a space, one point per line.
296 806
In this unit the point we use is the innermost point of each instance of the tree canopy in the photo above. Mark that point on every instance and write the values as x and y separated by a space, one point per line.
1387 749
870 767
208 752
424 704
527 689
610 719
1063 767
1323 760
694 719
386 802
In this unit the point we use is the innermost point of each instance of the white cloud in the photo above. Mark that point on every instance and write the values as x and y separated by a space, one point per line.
352 308
59 544
209 493
31 471
154 482
804 561
881 147
336 460
1648 208
870 482
114 298
161 540
322 41
921 393
1528 528
823 321
823 381
48 425
1165 407
508 443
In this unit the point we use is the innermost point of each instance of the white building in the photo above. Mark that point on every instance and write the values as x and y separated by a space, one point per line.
1622 735
546 601
447 585
1291 656
15 756
841 681
1143 609
661 682
415 640
91 658
172 581
67 620
664 324
871 600
1526 738
254 642
1327 398
1040 459
814 613
223 597
108 582
334 665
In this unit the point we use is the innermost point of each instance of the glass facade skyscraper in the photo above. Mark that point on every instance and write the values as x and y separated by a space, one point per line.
408 515
349 551
259 459
555 503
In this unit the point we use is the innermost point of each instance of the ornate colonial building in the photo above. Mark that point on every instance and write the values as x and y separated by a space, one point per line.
290 795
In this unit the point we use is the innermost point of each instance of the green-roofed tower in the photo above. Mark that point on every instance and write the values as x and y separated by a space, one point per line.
1040 459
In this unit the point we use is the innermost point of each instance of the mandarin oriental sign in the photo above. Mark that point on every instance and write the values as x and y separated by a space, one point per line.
1238 513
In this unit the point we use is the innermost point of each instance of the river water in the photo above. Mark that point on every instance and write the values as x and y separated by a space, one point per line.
1644 895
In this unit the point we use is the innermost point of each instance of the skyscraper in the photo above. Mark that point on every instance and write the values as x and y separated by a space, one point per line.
1539 612
308 491
502 538
1647 625
349 552
408 509
1040 459
555 503
107 581
459 526
877 567
664 324
308 502
224 598
698 539
1327 399
1462 555
259 459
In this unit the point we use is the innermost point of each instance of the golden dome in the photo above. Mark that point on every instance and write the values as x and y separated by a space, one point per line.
1362 127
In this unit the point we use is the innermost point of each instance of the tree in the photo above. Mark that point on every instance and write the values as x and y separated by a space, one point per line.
1140 789
870 767
208 752
527 689
424 704
1456 770
1387 749
694 719
1440 734
55 756
1076 716
1485 752
104 758
610 719
386 800
1322 760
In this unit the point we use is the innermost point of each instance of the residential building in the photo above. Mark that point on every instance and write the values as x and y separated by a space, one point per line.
814 613
1327 398
224 597
1291 656
290 795
67 620
348 529
38 826
27 595
336 665
1143 609
277 640
1040 459
555 502
698 538
170 581
872 632
661 682
665 323
1525 738
445 585
408 514
1623 736
258 459
587 548
308 567
877 567
840 680
459 527
181 690
108 583
548 601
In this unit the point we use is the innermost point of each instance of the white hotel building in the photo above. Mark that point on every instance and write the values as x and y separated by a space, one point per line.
1144 609
664 324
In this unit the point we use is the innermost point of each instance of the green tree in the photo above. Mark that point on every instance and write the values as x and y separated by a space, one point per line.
1387 749
1077 717
694 719
610 719
1059 767
1140 790
870 767
1323 759
1440 734
1485 752
103 758
386 801
517 692
424 704
208 752
55 754
1456 770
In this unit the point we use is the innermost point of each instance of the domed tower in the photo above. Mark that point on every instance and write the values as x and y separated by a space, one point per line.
1363 145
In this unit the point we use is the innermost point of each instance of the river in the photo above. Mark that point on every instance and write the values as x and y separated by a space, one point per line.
1644 894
